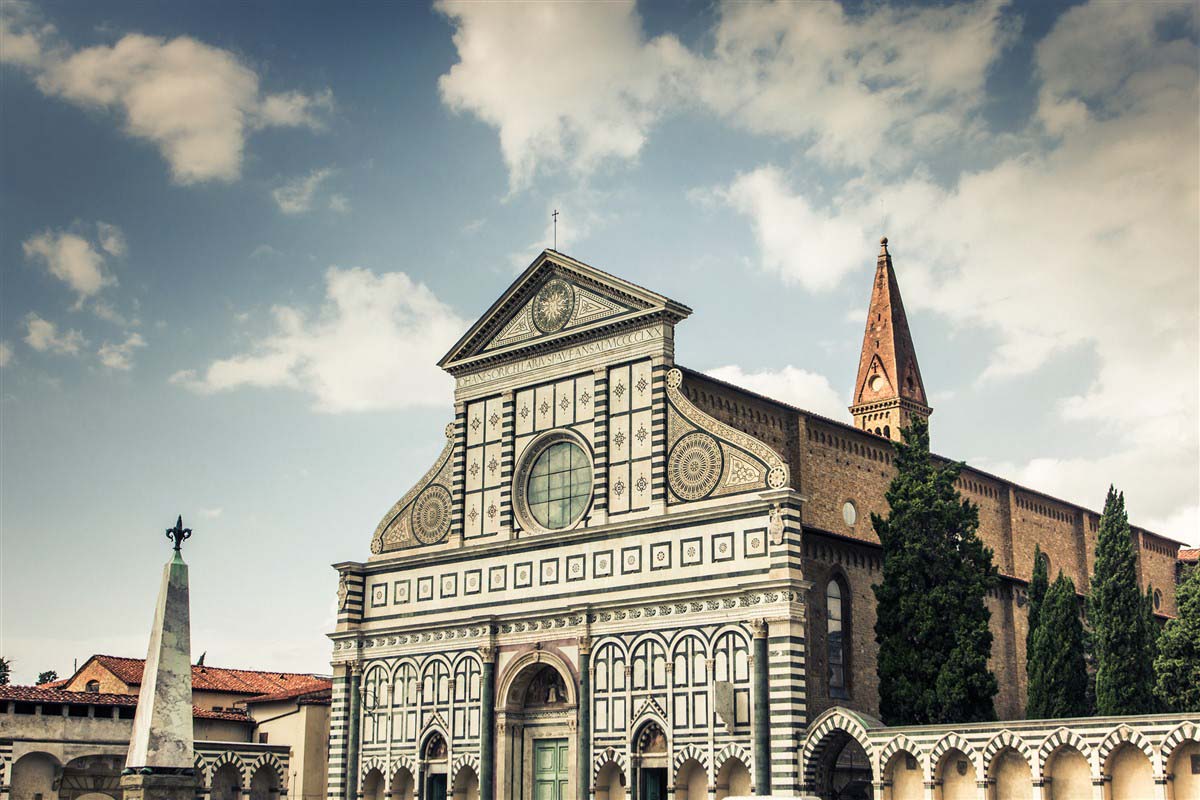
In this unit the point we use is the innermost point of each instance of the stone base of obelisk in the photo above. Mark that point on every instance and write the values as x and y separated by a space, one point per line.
158 786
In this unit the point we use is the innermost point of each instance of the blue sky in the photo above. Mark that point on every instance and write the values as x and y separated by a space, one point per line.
234 239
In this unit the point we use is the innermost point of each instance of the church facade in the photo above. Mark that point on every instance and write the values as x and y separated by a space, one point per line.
622 578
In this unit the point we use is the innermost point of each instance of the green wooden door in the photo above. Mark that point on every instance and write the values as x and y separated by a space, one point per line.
550 763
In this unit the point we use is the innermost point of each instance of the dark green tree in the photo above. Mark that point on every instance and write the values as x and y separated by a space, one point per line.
1059 686
47 676
1039 582
1117 611
5 671
932 622
1177 666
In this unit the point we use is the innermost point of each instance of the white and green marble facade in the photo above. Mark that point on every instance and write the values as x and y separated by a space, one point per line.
675 600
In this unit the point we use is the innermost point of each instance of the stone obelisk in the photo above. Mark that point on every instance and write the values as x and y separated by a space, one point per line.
161 760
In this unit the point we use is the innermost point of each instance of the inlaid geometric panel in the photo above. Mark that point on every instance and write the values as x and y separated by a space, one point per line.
722 547
660 556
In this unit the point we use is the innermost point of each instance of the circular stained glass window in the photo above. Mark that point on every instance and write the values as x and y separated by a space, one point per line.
559 485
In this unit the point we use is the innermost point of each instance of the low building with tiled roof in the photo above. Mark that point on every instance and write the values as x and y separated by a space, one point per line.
262 731
214 688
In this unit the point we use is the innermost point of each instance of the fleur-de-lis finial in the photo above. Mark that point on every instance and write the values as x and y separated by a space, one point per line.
178 533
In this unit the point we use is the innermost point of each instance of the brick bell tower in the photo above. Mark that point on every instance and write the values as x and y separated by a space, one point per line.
888 393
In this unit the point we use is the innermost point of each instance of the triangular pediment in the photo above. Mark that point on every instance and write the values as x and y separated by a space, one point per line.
556 300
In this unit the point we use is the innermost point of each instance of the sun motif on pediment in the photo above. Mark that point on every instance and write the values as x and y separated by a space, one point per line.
553 306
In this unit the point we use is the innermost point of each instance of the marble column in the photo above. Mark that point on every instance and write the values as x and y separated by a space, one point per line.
353 718
584 762
762 709
487 724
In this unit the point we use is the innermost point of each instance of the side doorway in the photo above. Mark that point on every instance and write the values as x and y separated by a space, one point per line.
551 762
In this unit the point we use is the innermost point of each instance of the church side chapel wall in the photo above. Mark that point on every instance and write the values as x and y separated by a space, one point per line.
828 558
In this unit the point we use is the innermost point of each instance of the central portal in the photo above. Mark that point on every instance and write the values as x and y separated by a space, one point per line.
550 769
537 725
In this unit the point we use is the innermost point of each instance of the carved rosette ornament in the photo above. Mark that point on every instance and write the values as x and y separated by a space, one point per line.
422 516
694 468
431 515
553 306
708 458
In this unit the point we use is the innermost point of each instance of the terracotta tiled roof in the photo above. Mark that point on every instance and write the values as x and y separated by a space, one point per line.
1189 554
213 679
229 715
319 691
43 694
58 684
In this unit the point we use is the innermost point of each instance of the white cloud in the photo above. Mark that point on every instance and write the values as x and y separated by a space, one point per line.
44 336
855 88
858 88
296 196
797 242
120 356
372 346
6 354
1086 242
798 387
25 39
577 111
196 103
111 239
211 513
106 312
70 258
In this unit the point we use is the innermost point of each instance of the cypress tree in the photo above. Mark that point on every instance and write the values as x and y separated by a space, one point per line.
1060 686
932 621
1117 610
1177 667
1038 584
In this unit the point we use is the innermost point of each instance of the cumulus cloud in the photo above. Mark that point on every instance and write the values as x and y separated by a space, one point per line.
70 258
799 243
1086 242
119 356
799 387
45 337
870 88
6 354
372 345
296 196
577 111
196 103
857 88
111 239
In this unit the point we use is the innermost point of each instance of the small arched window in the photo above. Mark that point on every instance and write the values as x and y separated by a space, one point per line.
836 619
93 687
887 431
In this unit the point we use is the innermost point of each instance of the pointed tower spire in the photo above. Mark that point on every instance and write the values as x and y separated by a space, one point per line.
889 392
